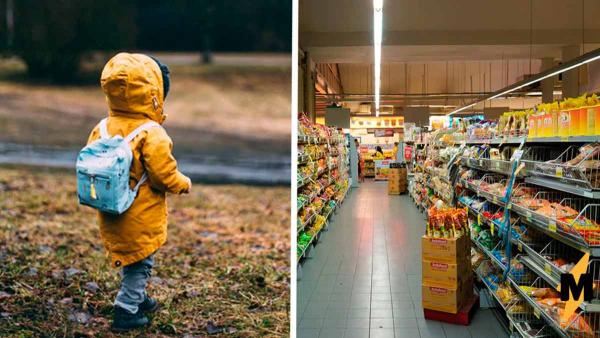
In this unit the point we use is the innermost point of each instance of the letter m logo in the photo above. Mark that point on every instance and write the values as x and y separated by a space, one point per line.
569 287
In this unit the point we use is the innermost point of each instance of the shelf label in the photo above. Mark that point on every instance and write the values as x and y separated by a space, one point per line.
495 199
516 156
520 246
559 172
509 206
492 227
528 215
497 165
479 219
547 268
552 225
536 313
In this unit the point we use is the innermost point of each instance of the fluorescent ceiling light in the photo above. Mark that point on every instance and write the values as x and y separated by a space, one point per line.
377 33
555 92
576 62
432 105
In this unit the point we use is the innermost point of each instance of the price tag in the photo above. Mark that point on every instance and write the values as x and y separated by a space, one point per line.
547 268
497 165
564 138
495 199
559 172
492 227
528 215
552 225
517 155
509 206
520 246
479 219
536 313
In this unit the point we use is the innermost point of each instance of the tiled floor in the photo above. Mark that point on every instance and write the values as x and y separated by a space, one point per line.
364 278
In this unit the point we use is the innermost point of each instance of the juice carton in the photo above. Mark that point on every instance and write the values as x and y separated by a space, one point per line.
597 109
553 124
576 117
540 125
590 127
564 123
532 126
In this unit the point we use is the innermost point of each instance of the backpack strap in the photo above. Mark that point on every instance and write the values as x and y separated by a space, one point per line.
145 126
140 182
103 130
130 137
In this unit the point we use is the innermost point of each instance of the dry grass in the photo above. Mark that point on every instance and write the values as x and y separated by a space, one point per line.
238 102
226 262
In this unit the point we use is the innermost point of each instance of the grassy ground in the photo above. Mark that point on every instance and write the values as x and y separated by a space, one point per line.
239 104
224 270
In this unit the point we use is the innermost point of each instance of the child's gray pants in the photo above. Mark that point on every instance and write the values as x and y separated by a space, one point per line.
134 278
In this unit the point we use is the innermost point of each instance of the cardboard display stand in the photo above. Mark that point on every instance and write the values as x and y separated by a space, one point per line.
447 284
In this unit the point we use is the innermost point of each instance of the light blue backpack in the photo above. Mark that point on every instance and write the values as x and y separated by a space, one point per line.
103 171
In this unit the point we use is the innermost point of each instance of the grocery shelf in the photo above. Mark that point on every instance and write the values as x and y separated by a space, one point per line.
307 222
518 140
563 139
558 230
329 144
489 288
304 139
489 253
302 181
558 185
538 311
494 141
548 225
528 317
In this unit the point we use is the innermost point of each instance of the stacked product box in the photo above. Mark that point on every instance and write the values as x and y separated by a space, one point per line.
397 180
447 282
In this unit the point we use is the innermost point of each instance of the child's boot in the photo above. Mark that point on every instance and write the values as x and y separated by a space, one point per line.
149 305
124 321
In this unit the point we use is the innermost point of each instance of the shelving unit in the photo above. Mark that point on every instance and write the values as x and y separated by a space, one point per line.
554 237
323 181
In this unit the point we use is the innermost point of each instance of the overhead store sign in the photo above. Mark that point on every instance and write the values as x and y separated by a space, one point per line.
383 132
359 122
337 117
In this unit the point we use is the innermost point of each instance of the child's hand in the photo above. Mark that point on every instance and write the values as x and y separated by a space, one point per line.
189 186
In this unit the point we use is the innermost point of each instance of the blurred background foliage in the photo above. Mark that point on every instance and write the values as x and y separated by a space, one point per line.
52 36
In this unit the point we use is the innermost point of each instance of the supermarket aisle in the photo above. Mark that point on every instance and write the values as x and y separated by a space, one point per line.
364 278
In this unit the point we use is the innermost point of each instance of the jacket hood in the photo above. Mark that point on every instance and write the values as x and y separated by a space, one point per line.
133 86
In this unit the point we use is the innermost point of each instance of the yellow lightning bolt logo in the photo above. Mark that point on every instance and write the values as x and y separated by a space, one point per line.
572 304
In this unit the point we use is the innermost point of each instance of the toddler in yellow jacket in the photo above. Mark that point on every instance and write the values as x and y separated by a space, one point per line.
135 86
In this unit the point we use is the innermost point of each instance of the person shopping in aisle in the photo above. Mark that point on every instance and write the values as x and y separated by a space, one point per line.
378 151
361 178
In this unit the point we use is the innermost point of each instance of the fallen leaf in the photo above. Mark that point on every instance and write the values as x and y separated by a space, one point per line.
79 317
32 272
91 287
70 272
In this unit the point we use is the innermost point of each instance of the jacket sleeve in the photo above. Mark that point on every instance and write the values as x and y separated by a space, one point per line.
161 165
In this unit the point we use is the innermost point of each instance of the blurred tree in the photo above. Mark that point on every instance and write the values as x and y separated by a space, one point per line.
51 35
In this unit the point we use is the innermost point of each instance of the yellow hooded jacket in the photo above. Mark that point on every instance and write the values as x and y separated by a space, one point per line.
133 87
